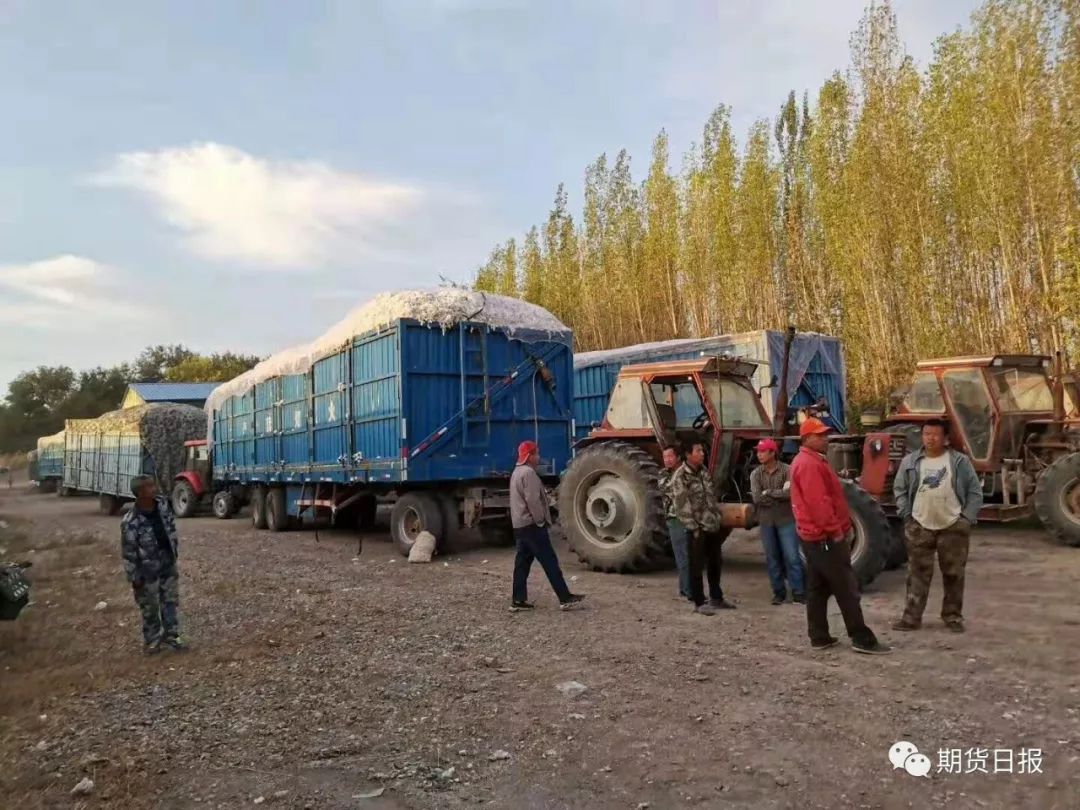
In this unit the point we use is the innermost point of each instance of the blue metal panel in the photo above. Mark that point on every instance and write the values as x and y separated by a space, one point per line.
51 462
329 405
292 419
376 401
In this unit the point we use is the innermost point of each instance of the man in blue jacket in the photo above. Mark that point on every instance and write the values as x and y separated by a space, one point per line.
148 544
938 496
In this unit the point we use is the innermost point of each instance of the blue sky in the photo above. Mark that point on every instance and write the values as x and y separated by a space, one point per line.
238 175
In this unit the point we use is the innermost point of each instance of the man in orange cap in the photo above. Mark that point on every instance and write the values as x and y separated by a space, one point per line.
824 524
530 515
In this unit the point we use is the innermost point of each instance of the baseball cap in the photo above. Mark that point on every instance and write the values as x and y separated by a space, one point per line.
811 426
526 449
767 444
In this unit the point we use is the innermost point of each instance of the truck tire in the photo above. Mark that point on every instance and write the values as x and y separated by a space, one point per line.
896 553
258 507
610 508
109 504
413 513
1057 499
223 505
185 502
277 517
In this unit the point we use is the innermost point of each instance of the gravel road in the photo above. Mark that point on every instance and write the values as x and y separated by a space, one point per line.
322 679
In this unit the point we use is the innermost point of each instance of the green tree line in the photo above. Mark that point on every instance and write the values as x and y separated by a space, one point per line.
38 402
911 213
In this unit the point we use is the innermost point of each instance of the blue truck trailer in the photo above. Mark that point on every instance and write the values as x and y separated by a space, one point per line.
50 463
816 371
424 412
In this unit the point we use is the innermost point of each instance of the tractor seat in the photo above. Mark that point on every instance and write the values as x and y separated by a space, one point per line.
668 421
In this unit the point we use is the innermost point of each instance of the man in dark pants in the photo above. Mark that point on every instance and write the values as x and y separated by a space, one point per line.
824 524
148 545
698 510
530 515
676 531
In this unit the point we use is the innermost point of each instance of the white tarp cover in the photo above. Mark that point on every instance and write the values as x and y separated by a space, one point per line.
444 307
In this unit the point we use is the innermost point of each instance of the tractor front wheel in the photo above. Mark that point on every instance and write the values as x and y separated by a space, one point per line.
1057 499
610 508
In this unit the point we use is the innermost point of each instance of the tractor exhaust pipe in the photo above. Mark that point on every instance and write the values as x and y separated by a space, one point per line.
1058 390
780 417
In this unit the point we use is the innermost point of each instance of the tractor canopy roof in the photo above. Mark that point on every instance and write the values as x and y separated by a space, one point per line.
724 366
981 361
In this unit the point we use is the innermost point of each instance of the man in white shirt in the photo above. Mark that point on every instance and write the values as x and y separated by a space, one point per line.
938 496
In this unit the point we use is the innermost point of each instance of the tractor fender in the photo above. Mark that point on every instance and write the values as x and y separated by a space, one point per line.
193 479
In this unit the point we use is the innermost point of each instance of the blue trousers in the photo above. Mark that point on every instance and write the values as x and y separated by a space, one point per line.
681 549
781 545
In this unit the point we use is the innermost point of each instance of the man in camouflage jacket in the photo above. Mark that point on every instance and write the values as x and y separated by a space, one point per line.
698 510
148 544
680 546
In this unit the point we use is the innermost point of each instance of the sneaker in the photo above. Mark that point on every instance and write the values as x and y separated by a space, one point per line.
705 610
799 598
516 607
956 625
175 643
877 648
721 603
778 599
904 624
152 649
824 645
572 601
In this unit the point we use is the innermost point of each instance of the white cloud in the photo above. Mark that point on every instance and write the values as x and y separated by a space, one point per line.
66 293
234 206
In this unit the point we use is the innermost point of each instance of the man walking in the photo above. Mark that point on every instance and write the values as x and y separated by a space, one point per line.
771 492
148 544
698 510
676 531
530 515
938 496
823 522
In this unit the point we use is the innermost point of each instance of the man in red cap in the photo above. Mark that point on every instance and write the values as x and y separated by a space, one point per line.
770 489
530 515
824 524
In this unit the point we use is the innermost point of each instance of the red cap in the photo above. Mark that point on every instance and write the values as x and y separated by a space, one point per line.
767 444
526 449
811 426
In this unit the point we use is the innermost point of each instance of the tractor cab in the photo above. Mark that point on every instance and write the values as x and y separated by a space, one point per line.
993 404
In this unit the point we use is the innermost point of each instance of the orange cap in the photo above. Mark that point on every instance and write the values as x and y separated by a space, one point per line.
811 426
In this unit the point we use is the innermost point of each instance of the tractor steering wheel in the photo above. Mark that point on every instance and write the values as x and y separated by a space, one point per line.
701 421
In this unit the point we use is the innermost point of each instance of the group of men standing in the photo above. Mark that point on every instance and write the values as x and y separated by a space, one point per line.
803 506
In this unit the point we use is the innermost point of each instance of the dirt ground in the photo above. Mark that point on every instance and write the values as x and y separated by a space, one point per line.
317 678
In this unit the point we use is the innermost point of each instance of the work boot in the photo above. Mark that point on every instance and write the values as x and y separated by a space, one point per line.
574 600
824 644
871 648
799 598
721 603
779 598
956 625
904 624
152 649
175 643
516 607
705 610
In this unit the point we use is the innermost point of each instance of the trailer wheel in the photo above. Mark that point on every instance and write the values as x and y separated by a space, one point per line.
184 500
413 513
277 518
109 504
258 507
223 505
610 508
1057 499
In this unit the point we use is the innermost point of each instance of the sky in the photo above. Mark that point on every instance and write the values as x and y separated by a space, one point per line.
237 176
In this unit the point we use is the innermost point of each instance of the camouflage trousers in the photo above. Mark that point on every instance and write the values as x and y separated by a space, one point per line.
951 548
158 601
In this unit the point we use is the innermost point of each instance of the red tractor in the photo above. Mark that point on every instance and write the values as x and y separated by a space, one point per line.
191 486
610 508
1019 424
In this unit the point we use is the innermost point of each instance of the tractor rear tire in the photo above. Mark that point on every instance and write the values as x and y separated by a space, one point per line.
185 502
1057 499
896 553
258 507
277 516
872 534
415 512
611 510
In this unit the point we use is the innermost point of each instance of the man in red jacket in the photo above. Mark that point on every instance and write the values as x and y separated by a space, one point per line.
824 525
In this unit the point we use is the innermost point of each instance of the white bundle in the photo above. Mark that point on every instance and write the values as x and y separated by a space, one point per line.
423 548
